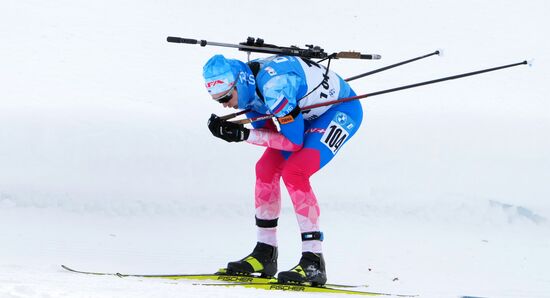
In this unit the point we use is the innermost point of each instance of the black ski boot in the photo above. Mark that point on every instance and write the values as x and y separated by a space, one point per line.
311 269
263 259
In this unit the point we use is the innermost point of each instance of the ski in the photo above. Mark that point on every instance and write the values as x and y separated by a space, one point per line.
220 276
302 288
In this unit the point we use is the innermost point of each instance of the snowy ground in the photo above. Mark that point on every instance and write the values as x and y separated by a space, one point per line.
106 164
429 255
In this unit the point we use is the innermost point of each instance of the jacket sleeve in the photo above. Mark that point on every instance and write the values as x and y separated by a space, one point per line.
290 137
280 95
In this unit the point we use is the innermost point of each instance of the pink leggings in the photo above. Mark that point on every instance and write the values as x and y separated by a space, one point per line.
295 172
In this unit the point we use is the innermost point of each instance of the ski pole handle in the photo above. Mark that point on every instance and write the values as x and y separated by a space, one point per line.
230 116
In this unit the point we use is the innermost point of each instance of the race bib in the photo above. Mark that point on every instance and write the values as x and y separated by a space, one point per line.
337 132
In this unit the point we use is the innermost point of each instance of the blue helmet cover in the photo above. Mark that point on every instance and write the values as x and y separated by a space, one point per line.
218 75
221 74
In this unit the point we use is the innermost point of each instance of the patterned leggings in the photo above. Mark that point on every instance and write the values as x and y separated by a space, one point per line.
323 139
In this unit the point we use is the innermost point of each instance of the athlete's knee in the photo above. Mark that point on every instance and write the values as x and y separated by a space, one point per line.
299 168
264 170
268 166
293 173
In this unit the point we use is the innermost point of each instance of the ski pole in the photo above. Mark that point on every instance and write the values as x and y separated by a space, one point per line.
233 115
342 100
390 66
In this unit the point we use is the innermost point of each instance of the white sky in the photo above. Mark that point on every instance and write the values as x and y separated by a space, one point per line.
95 103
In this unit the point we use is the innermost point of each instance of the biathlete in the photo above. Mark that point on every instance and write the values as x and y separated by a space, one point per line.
302 144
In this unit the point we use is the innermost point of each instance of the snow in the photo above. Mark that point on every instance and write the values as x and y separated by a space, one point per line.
106 163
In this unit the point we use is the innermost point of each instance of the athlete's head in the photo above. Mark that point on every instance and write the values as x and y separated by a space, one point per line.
229 81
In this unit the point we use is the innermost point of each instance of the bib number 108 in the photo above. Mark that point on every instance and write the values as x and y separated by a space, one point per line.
334 137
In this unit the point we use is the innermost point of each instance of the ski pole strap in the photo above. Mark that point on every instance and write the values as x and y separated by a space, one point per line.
266 223
316 235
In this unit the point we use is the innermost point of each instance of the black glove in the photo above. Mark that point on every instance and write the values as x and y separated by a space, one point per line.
214 124
228 131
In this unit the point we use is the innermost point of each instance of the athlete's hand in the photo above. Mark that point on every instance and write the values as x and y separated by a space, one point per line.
214 125
228 131
233 132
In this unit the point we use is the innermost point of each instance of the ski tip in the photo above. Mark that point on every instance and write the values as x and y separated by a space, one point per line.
440 52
